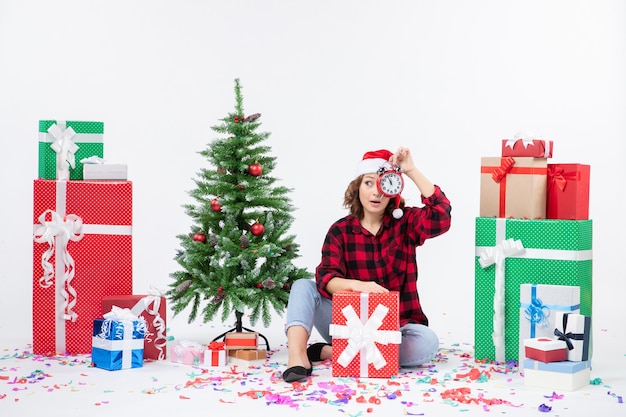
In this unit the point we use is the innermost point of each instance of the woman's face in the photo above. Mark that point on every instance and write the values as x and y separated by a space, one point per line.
372 201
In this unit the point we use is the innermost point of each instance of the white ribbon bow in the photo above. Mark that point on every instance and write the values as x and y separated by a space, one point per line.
497 256
57 233
154 299
527 138
65 148
362 337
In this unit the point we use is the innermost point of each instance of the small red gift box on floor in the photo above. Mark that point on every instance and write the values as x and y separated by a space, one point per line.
545 349
241 340
568 192
82 251
366 336
151 307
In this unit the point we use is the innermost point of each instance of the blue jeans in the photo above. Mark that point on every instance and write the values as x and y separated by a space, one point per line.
307 308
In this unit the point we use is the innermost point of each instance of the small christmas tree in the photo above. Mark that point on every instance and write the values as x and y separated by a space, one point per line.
238 256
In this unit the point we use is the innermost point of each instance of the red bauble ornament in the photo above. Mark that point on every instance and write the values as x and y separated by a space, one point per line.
215 205
199 237
259 285
220 288
257 229
241 187
255 169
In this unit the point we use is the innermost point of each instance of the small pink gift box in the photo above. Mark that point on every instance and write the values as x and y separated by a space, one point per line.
545 350
187 352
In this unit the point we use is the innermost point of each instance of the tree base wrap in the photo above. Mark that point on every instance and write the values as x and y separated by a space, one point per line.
575 330
152 309
366 336
513 187
87 137
557 376
248 354
535 148
117 344
241 340
82 252
539 306
555 252
568 191
546 350
187 353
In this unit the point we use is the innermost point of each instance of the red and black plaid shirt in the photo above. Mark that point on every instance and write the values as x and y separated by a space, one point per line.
389 258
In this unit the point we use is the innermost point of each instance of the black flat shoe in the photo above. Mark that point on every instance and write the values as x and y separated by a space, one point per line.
297 373
314 352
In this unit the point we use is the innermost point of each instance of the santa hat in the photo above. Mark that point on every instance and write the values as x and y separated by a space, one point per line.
378 162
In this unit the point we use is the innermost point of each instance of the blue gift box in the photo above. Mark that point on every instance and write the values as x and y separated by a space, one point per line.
118 344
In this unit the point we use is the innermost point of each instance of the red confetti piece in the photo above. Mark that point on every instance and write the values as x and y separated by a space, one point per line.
182 397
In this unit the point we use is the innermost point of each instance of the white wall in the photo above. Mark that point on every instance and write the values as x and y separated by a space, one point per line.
332 79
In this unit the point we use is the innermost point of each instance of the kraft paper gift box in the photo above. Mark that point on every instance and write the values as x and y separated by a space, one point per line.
117 341
568 191
536 148
513 187
575 330
248 354
545 350
538 309
69 141
511 252
152 308
241 340
105 171
187 352
82 252
365 334
557 376
215 354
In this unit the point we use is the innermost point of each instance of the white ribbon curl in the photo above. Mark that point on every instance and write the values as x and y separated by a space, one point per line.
57 233
363 336
65 148
497 256
153 299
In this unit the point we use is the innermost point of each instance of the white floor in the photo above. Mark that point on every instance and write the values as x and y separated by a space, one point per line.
69 386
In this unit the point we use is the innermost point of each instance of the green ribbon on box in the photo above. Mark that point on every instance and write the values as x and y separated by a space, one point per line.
88 138
555 252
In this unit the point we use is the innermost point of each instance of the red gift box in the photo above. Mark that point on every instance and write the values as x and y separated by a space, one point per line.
241 340
152 308
513 187
545 350
82 252
366 337
536 148
568 192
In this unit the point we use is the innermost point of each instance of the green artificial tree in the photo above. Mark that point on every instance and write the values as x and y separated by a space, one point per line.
239 255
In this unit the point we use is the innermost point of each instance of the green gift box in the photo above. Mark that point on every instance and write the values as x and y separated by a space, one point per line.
86 136
511 252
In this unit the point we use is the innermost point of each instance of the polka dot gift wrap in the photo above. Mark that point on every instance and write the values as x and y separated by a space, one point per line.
82 252
366 336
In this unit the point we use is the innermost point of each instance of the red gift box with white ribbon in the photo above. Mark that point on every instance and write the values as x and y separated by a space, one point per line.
366 336
527 146
152 308
82 252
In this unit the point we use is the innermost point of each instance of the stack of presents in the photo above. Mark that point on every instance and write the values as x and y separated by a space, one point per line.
533 265
83 299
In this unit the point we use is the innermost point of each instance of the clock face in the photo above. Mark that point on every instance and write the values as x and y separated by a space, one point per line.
390 184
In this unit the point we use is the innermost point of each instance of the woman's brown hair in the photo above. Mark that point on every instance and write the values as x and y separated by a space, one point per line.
352 202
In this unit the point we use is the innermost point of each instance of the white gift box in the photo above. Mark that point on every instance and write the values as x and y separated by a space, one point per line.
105 171
556 376
575 329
